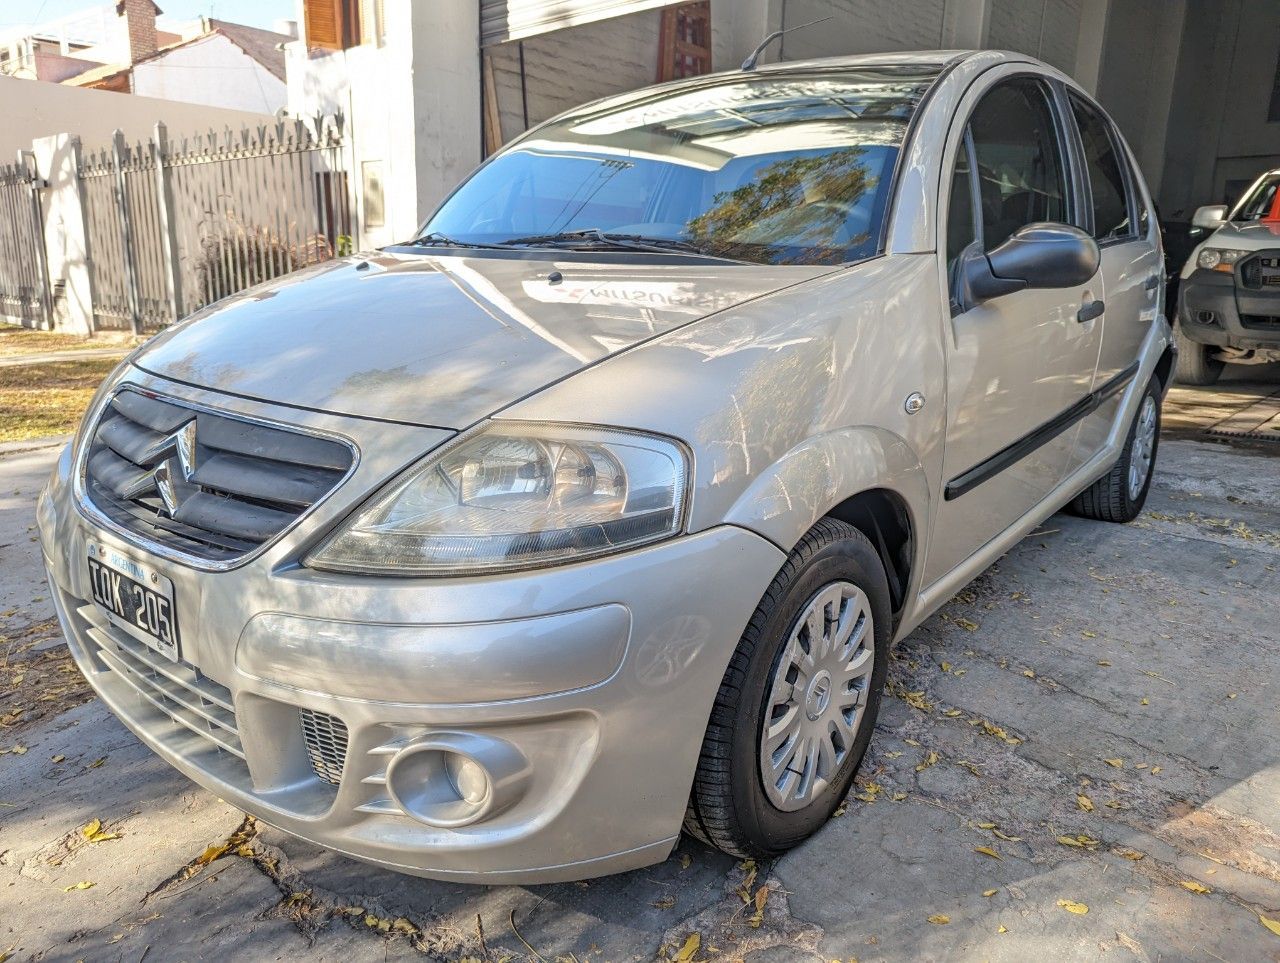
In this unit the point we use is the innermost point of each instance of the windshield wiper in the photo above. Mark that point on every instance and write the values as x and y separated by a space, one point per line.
436 239
594 237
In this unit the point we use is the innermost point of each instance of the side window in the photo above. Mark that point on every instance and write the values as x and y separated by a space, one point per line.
1021 168
1106 176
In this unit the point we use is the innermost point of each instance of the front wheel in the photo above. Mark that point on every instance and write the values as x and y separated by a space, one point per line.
1118 496
798 702
1196 364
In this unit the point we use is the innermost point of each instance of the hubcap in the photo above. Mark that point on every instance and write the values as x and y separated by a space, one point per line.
1144 443
818 695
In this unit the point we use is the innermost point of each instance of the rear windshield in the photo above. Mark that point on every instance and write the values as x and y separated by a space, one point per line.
793 169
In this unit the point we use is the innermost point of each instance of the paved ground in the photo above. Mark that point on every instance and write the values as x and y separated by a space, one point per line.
1092 723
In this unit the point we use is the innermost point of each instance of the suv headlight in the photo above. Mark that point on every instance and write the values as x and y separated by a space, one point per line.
1222 259
514 496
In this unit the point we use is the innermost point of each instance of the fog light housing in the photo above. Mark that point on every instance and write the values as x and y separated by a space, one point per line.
454 779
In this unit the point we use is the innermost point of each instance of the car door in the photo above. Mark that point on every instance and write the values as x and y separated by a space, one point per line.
1118 214
1016 362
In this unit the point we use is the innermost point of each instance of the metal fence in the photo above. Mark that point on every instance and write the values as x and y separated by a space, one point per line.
24 275
174 225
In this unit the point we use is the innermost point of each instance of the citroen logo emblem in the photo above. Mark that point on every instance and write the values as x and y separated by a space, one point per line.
174 461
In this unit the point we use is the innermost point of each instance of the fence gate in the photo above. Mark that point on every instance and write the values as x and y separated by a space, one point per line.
24 274
175 224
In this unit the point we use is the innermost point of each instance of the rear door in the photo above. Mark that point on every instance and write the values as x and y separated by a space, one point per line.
1017 362
1119 216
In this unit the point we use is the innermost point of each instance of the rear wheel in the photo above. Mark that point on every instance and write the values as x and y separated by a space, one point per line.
798 703
1196 364
1118 496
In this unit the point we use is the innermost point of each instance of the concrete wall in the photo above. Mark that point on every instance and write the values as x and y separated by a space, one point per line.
33 108
1218 135
214 72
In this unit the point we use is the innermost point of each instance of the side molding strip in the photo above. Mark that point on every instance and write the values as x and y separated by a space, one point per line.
1005 457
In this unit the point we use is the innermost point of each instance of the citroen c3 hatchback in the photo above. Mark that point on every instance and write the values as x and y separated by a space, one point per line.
591 513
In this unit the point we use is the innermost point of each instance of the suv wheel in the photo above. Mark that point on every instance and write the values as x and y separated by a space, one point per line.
1196 366
798 703
1118 496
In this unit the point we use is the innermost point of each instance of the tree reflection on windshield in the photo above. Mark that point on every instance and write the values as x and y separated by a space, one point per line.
803 207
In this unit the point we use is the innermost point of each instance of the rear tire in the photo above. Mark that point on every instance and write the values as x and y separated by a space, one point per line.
813 659
1118 496
1195 364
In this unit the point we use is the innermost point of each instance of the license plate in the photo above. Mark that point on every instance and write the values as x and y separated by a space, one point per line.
138 596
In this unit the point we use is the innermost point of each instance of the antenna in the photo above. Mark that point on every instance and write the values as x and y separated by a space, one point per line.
750 62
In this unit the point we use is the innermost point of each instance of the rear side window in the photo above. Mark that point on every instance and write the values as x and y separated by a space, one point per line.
1021 167
1106 177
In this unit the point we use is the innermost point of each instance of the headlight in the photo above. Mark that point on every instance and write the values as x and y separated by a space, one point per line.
1219 259
515 496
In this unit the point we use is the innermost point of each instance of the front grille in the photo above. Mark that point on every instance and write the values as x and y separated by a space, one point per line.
1261 322
177 689
210 486
325 737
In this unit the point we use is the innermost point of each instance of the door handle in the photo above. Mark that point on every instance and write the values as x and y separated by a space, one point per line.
1090 310
1153 282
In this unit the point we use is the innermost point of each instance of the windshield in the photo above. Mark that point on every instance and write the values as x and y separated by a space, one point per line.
1260 203
793 169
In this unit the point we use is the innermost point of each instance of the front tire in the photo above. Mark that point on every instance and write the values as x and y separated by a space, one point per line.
798 702
1118 496
1196 365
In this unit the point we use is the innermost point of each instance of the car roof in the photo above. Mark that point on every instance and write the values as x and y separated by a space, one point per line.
902 58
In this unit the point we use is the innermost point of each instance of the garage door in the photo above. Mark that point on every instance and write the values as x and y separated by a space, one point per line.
503 20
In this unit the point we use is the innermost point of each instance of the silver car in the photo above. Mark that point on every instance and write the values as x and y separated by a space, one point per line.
590 514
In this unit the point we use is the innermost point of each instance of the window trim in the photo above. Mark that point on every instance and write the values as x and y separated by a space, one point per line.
1074 97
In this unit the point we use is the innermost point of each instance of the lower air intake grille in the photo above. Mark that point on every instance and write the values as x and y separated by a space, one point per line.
326 740
210 486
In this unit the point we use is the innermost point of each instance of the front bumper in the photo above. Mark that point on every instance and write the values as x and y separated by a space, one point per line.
599 676
1215 308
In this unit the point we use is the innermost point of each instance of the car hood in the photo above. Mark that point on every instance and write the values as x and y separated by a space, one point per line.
1247 235
439 340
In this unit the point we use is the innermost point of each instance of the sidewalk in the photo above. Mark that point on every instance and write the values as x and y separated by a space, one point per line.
52 357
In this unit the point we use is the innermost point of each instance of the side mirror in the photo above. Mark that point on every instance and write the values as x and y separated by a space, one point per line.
1036 256
1210 218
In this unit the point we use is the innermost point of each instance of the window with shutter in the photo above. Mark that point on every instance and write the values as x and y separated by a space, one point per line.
331 24
684 48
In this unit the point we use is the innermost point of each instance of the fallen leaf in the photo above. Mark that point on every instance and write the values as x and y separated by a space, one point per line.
899 796
1079 841
83 884
985 825
1002 929
1071 906
211 853
665 902
96 834
1132 854
686 861
1028 673
990 892
939 920
1104 662
97 762
987 851
689 950
929 760
1192 886
952 713
911 742
1144 702
1117 763
1089 635
1129 943
1156 770
19 750
762 896
1084 802
967 625
1006 837
58 758
1272 925
917 701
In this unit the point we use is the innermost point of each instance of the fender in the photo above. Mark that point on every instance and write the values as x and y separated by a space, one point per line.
811 479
